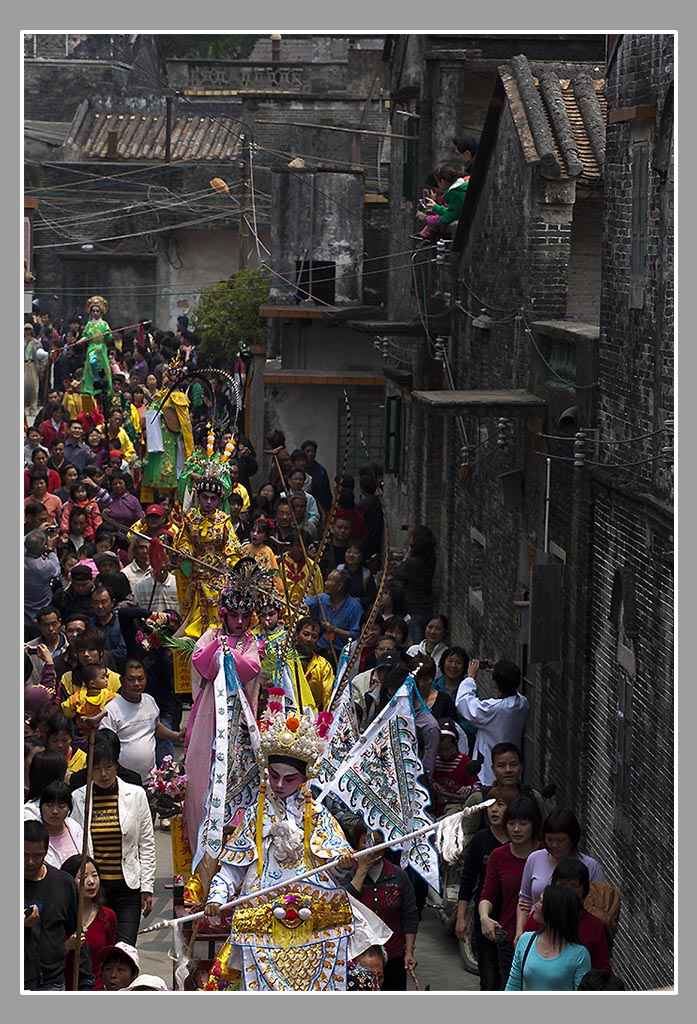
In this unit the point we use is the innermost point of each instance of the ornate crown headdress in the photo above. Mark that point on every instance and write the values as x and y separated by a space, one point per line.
97 300
248 587
299 737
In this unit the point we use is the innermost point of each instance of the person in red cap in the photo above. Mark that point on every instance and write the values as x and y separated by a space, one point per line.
153 524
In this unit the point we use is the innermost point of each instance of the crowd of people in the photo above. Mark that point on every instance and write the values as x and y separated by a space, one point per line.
141 495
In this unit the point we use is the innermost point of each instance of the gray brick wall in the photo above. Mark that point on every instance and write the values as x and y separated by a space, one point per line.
633 528
634 839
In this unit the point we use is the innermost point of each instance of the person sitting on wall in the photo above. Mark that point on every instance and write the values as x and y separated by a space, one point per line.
439 215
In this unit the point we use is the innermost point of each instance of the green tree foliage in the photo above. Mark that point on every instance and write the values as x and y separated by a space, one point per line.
213 47
227 315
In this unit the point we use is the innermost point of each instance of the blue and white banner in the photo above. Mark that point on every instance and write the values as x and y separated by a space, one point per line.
379 779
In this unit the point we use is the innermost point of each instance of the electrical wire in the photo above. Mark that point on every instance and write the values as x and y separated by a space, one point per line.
254 207
491 437
474 316
100 178
473 465
569 383
321 280
138 234
257 239
488 305
225 128
145 206
602 465
418 303
594 440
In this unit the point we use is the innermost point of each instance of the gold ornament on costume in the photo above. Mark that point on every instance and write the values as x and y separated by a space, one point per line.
299 737
292 917
97 300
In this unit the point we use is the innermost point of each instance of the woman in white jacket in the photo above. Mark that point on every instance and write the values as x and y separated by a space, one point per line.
121 838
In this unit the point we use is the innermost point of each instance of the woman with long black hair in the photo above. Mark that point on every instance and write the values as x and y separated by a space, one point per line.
551 960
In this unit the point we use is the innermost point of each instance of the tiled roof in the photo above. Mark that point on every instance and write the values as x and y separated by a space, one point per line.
52 132
560 116
142 136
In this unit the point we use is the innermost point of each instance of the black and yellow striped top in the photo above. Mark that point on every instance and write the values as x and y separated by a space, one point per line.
106 834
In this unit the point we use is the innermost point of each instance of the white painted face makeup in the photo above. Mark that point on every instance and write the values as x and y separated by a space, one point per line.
284 779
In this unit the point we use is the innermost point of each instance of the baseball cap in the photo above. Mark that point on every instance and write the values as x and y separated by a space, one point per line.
120 947
147 982
387 660
154 510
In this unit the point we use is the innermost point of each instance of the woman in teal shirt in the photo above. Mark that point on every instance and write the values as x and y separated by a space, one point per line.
551 960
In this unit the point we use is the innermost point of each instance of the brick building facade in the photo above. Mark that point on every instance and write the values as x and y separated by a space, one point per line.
629 731
555 318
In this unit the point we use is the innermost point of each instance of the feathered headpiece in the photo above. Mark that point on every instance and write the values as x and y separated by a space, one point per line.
248 587
292 737
216 468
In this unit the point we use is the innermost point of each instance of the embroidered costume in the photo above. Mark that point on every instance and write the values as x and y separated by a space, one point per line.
170 442
96 332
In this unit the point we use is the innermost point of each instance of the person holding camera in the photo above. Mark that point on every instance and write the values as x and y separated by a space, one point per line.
41 575
499 719
50 913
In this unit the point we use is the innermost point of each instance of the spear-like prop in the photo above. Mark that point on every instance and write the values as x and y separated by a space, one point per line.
83 862
368 624
426 830
327 527
113 330
184 556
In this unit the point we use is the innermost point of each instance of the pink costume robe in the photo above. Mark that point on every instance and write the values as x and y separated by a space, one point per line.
198 742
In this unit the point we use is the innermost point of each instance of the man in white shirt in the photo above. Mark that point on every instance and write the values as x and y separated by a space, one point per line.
157 591
499 719
135 718
139 566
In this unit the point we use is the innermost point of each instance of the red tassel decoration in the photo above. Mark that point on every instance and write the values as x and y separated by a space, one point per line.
158 556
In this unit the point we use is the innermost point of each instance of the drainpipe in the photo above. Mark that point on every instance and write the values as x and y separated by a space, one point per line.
311 243
547 491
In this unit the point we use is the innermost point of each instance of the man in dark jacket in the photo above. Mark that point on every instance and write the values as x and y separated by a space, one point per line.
50 914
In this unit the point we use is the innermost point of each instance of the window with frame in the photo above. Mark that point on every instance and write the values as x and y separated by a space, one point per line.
640 199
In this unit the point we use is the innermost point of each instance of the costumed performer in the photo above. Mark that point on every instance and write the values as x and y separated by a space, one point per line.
198 464
298 938
271 632
237 602
206 534
169 437
96 376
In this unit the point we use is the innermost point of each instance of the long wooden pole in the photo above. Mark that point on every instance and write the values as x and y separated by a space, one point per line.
83 862
305 874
